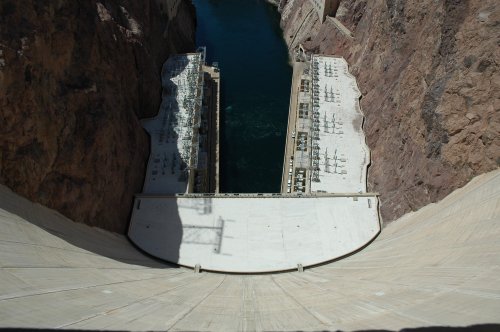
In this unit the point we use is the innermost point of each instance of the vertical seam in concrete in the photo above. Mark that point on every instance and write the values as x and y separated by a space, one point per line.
300 304
191 309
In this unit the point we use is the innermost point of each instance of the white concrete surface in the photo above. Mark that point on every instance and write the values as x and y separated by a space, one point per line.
343 154
174 130
242 234
250 235
435 267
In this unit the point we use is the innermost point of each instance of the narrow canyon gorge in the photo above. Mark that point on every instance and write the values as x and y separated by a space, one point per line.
429 75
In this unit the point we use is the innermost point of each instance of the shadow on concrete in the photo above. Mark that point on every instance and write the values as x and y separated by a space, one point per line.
470 328
91 239
162 240
155 225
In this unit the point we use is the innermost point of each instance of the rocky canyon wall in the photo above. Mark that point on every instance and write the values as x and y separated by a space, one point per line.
75 77
429 74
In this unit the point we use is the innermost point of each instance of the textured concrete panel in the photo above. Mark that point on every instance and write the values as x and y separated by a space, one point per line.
437 266
251 234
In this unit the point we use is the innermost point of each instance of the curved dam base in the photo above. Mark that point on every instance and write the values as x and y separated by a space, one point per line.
438 266
247 233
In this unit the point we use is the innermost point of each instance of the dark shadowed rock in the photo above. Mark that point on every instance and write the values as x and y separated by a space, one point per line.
75 77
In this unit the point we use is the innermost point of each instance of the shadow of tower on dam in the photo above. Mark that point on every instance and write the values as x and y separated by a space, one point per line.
107 244
57 233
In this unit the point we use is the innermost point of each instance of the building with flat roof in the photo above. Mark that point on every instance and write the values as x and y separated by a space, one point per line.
436 267
325 8
326 150
325 214
181 155
339 154
169 7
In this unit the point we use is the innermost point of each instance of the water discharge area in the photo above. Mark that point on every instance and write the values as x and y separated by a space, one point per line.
245 38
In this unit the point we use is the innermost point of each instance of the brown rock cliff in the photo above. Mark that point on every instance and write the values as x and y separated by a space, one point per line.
429 74
75 77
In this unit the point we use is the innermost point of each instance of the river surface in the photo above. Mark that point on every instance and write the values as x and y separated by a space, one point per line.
245 38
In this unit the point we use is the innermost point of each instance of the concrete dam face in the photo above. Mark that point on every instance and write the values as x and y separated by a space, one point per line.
438 266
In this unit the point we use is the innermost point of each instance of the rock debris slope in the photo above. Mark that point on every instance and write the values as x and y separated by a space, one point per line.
436 266
75 76
430 79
